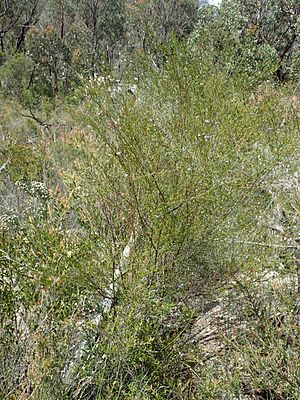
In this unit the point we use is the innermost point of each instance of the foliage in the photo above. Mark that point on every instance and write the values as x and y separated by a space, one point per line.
124 130
15 77
256 37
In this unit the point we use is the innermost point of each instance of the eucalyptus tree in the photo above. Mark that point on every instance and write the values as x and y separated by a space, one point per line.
257 37
104 21
274 23
151 24
16 19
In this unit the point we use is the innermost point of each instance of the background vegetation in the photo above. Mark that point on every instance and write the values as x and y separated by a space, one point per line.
149 200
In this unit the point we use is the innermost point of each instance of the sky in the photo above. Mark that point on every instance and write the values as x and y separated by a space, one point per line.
215 2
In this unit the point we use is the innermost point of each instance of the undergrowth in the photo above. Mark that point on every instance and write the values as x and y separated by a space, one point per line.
201 172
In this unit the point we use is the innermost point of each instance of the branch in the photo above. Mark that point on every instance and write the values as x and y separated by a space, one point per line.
270 245
37 120
3 166
31 21
288 46
69 372
5 9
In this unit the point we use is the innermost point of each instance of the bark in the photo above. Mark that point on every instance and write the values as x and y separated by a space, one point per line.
70 371
281 73
31 21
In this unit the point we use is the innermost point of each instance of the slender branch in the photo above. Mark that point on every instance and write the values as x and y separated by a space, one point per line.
3 166
37 120
31 21
69 371
5 9
250 243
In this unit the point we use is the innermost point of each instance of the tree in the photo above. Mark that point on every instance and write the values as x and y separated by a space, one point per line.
16 19
10 14
105 21
30 16
152 23
252 35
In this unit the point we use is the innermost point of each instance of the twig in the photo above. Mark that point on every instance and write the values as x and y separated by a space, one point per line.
106 306
3 166
250 243
36 119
